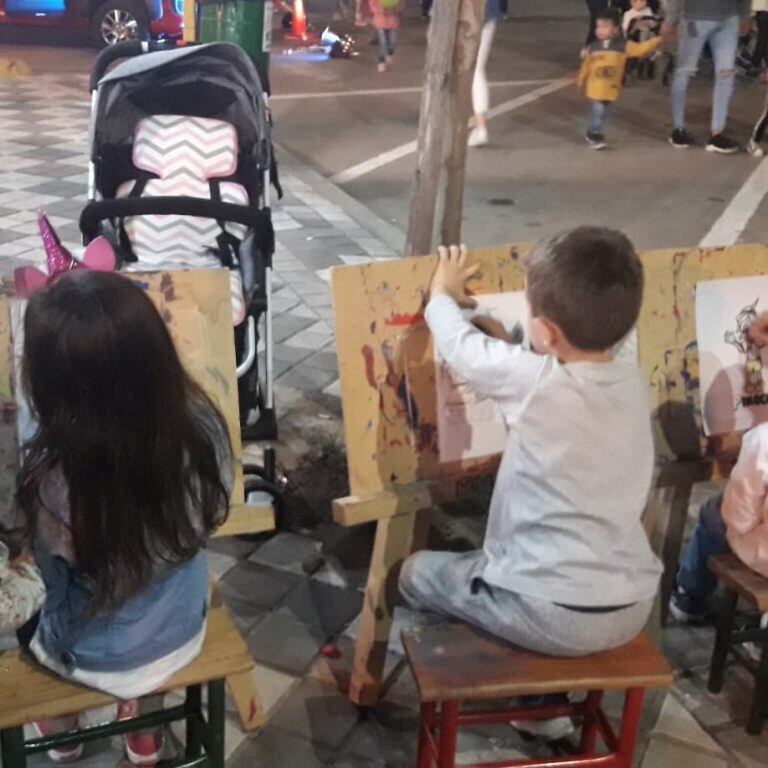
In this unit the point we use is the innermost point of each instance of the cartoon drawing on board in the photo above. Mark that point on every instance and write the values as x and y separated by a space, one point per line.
733 390
754 383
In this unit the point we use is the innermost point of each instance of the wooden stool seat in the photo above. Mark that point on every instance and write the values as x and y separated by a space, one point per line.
452 663
29 692
743 580
740 581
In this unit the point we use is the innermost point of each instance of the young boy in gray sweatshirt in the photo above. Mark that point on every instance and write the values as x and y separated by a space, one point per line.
696 23
565 568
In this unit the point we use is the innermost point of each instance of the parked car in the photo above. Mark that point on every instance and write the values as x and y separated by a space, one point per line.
109 21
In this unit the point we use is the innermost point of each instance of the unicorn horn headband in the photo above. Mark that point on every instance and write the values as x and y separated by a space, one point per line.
98 255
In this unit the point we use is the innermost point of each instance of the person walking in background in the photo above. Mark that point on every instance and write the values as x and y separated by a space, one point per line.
602 70
760 55
696 23
386 20
480 92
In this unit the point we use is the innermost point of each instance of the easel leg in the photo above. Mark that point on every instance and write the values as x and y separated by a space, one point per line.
683 476
394 541
243 688
247 700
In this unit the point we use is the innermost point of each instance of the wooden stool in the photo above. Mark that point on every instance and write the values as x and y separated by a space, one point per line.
741 581
29 693
452 663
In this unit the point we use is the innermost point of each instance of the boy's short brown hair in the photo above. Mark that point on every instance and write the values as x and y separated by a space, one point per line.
589 281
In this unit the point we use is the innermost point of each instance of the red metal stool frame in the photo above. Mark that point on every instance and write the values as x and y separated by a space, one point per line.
439 725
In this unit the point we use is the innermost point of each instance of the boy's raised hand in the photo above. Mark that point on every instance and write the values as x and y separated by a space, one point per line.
452 274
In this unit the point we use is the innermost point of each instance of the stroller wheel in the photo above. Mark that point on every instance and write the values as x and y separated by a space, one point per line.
117 20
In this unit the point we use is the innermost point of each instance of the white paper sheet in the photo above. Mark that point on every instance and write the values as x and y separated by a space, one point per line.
732 399
470 426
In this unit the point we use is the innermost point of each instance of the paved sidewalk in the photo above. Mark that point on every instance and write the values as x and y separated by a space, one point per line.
302 589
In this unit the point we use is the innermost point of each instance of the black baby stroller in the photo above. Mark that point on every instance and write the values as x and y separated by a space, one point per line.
179 177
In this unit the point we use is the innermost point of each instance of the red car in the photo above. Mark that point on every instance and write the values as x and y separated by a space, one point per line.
109 21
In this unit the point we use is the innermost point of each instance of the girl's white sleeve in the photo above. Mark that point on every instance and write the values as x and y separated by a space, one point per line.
745 494
492 367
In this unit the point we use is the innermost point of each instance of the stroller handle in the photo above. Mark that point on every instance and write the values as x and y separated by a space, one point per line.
127 49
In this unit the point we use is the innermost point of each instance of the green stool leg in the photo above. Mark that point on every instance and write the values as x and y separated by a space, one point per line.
12 748
193 705
216 723
722 642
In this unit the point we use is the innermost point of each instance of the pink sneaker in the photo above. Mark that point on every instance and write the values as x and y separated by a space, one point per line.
60 755
143 748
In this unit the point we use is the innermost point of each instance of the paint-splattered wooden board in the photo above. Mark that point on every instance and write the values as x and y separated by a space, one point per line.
667 335
387 370
196 306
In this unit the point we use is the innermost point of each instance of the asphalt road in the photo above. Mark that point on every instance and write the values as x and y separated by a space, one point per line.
356 127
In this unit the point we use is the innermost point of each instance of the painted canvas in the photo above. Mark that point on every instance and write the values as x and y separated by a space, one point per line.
470 426
732 369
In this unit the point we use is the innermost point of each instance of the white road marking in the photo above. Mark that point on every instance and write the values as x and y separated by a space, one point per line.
390 156
388 91
734 219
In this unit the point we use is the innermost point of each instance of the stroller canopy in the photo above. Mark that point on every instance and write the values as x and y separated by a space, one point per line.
213 81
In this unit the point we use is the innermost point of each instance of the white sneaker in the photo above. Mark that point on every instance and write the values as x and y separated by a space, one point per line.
753 650
755 149
478 137
550 730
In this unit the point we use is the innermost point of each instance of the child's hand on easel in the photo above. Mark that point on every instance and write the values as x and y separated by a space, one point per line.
452 275
758 330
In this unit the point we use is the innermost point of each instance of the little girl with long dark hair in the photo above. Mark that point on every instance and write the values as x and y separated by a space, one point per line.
128 473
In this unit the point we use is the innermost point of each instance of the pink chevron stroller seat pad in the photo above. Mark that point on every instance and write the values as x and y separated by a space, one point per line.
186 154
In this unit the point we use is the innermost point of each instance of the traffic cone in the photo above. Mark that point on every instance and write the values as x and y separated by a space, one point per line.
299 24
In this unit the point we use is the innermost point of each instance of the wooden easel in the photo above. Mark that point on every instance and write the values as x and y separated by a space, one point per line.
196 307
387 381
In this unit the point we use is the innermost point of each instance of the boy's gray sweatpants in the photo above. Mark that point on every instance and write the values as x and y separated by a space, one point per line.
451 584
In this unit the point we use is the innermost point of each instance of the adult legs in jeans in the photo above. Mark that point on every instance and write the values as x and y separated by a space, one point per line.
594 7
480 94
709 539
723 37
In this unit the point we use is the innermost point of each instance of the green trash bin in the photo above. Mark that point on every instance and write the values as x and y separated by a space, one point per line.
245 22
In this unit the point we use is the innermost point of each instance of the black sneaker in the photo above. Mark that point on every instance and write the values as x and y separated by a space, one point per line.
595 140
681 139
686 609
722 144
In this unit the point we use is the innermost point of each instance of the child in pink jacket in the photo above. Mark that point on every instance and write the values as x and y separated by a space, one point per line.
386 20
735 522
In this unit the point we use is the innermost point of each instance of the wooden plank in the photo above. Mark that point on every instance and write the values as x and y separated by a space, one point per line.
457 662
247 518
393 544
404 500
28 692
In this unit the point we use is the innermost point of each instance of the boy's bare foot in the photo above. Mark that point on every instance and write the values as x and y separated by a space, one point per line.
382 67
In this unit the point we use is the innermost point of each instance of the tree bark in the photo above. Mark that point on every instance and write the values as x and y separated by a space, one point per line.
470 24
435 105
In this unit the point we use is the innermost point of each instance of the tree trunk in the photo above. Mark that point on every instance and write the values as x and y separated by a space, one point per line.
470 24
435 105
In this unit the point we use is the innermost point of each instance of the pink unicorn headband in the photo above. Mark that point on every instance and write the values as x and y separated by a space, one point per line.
98 255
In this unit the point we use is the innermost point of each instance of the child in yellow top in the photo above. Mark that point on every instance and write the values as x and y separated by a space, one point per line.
602 71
